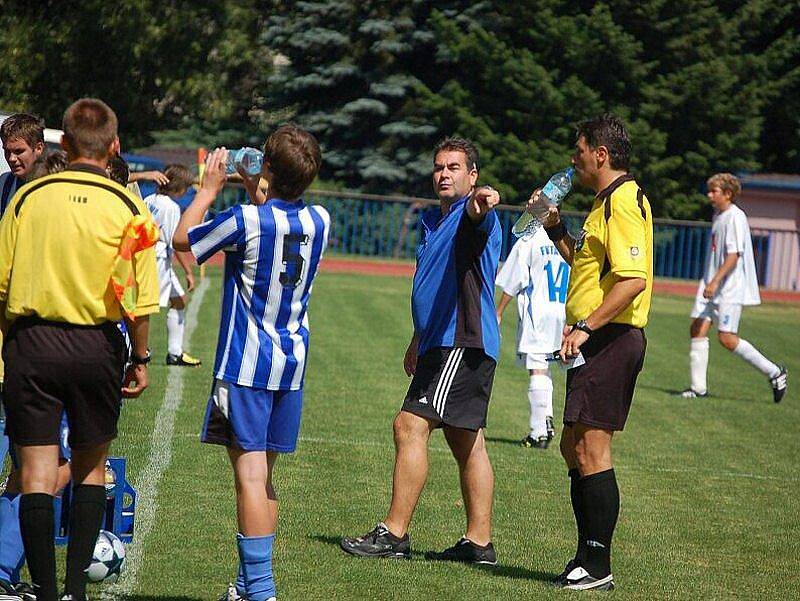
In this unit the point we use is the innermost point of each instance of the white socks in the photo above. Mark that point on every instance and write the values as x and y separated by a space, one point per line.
540 396
749 353
698 364
175 324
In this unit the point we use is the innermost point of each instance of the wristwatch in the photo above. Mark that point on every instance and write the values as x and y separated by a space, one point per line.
582 325
136 360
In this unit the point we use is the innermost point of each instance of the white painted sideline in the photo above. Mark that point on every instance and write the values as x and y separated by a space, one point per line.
159 459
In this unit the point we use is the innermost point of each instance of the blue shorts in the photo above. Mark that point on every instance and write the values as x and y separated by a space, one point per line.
253 419
64 450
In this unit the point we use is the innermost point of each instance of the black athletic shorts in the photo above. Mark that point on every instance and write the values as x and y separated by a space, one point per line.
452 387
599 392
54 367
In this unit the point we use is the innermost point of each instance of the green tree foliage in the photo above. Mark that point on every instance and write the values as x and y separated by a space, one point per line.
158 64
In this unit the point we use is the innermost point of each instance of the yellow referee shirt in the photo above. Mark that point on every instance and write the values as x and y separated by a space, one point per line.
59 239
617 240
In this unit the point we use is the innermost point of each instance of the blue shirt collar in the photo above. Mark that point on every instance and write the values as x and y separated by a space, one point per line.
286 205
433 216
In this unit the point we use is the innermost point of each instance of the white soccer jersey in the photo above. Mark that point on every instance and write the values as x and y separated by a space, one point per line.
272 252
730 233
166 214
536 274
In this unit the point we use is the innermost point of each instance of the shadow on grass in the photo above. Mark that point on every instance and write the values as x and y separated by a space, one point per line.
505 571
163 598
511 441
711 397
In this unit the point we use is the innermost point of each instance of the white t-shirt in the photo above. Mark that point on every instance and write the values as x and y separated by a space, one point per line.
166 214
730 233
536 274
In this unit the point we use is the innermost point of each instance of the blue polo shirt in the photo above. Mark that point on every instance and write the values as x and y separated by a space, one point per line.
452 300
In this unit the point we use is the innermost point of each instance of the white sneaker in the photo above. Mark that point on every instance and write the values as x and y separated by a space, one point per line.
231 594
580 580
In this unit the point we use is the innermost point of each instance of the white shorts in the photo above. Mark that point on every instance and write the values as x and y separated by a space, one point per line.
725 315
168 283
532 360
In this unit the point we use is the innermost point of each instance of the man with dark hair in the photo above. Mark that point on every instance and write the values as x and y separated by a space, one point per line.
167 214
608 302
64 350
22 135
452 358
273 250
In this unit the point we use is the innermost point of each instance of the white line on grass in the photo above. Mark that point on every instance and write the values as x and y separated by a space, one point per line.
159 460
710 472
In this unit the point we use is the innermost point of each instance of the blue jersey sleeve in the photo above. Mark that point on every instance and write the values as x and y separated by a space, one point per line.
225 231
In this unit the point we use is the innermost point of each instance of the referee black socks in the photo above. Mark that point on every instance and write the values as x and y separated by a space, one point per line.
85 519
37 525
599 500
577 509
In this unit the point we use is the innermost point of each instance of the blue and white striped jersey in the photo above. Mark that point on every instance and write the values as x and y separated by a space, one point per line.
272 253
9 183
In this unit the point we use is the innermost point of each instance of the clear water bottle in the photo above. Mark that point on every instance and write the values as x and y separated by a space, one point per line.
552 194
250 159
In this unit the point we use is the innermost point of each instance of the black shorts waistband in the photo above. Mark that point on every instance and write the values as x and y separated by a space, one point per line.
27 321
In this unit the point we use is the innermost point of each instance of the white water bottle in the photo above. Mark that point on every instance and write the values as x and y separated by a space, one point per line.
249 159
551 195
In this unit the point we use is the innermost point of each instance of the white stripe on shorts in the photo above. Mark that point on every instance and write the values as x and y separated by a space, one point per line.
446 380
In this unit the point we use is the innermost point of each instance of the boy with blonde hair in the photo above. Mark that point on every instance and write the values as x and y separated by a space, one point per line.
729 283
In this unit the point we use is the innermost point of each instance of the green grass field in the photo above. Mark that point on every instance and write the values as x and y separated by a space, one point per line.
709 488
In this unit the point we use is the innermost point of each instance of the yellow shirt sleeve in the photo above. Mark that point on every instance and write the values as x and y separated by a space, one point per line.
626 243
8 240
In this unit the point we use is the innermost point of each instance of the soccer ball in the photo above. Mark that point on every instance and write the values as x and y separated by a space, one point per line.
108 559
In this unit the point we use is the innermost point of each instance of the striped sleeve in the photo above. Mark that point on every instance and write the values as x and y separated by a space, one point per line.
225 231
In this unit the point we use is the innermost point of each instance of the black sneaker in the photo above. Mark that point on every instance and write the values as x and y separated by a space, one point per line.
529 442
580 580
184 359
692 394
561 579
8 592
378 542
551 429
779 385
25 591
232 594
467 552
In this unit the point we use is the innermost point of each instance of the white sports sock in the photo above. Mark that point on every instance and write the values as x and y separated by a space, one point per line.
750 354
540 396
175 324
698 364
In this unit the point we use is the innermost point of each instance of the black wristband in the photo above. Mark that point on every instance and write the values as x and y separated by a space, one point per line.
136 360
556 232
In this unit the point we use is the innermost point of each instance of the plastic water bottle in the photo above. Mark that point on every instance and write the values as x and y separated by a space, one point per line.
552 194
250 159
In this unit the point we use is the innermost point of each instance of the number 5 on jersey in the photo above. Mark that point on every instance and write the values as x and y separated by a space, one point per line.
291 257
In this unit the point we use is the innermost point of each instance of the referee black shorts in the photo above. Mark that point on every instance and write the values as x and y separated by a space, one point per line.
451 387
53 368
600 392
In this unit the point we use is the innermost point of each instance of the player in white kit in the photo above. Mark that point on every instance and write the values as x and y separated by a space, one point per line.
536 274
728 284
167 214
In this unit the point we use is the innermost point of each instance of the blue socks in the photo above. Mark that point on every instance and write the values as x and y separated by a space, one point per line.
12 551
255 562
241 587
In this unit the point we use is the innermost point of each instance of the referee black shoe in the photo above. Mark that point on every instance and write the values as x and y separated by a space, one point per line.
561 579
378 542
580 580
466 551
779 385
